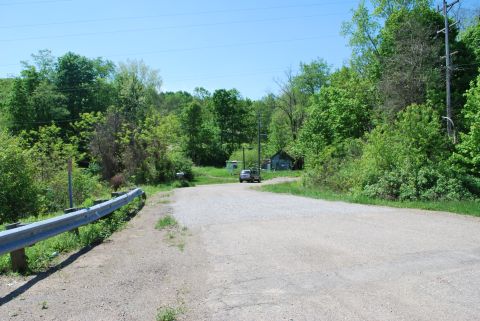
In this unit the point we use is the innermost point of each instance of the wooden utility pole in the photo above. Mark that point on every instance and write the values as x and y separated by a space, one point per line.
70 188
259 147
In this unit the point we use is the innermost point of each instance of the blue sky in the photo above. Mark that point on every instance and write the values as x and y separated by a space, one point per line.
213 44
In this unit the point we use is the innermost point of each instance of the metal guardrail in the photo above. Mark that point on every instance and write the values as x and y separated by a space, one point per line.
21 237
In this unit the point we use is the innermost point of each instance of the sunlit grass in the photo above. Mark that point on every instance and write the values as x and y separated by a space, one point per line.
296 188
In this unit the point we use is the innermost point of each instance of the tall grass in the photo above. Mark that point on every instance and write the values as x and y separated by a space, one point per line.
296 188
214 175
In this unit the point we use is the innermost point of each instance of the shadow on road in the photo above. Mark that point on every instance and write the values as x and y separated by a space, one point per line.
42 275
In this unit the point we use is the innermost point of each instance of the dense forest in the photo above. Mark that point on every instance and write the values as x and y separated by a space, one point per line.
373 127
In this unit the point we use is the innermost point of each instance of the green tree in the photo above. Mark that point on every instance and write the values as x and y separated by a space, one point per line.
385 8
233 118
192 121
20 113
174 102
338 112
410 64
469 148
471 38
138 89
48 104
363 33
80 80
18 195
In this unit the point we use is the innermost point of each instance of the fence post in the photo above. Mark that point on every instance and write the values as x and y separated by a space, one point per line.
18 257
70 210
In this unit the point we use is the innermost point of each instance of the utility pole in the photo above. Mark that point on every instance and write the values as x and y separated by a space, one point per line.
70 188
448 68
259 146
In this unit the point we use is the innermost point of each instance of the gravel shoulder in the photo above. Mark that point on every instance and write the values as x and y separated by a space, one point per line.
128 277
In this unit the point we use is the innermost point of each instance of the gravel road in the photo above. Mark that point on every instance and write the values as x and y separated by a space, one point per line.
281 257
260 256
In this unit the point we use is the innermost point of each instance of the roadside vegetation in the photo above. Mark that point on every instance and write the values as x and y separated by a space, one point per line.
169 313
167 221
176 234
467 207
42 255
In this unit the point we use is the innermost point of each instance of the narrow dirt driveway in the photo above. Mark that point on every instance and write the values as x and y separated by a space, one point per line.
250 255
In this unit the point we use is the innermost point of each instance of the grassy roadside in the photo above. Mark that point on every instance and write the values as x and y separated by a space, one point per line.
213 175
295 188
43 254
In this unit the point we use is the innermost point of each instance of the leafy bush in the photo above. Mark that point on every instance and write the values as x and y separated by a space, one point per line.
54 196
468 151
18 192
333 166
407 160
181 163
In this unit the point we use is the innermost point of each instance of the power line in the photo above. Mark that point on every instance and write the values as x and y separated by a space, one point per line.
45 122
253 43
164 28
32 2
169 15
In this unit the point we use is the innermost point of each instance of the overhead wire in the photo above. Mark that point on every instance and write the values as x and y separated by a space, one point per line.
16 3
213 24
171 15
233 45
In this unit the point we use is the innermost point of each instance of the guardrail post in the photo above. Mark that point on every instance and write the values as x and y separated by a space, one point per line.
70 210
18 257
117 194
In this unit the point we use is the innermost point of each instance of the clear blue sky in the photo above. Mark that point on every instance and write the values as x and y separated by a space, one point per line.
213 44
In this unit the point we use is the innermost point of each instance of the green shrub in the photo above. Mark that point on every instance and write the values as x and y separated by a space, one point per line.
468 151
180 163
55 193
18 189
408 160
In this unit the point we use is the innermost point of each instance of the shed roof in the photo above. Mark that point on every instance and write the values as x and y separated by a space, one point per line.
282 154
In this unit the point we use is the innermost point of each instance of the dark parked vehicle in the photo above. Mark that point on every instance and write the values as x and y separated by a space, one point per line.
249 175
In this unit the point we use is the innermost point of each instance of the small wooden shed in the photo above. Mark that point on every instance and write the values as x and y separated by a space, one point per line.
281 161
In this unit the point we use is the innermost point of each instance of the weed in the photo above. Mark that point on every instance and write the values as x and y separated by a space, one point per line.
181 246
166 221
44 305
168 314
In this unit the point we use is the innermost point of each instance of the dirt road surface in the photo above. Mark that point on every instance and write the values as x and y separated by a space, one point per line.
250 255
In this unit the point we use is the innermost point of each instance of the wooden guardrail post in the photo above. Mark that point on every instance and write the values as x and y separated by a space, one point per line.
70 210
18 257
